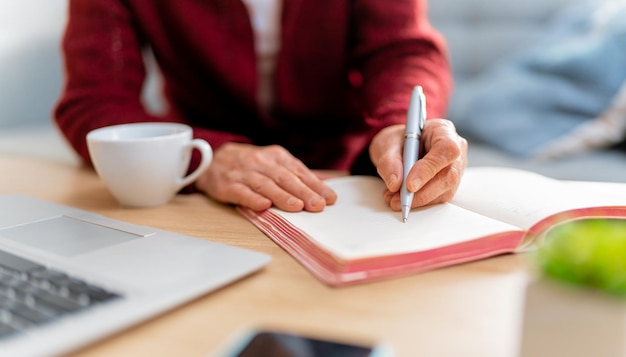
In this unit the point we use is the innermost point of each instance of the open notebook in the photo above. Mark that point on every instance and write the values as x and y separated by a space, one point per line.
495 211
69 277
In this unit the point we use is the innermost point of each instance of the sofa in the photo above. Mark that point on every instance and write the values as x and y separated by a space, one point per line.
480 33
483 34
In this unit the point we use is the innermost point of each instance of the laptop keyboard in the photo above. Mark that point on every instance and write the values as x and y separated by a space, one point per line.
32 295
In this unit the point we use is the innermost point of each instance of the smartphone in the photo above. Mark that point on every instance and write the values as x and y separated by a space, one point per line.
281 344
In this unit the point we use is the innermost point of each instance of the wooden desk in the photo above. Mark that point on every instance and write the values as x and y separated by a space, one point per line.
467 310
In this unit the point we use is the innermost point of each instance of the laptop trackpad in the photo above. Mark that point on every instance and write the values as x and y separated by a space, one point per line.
66 236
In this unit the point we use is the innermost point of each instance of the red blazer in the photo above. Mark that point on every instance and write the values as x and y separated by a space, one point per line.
345 70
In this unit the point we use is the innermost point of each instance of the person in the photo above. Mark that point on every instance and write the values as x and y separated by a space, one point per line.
280 89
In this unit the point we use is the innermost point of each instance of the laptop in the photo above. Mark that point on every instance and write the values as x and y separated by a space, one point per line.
69 277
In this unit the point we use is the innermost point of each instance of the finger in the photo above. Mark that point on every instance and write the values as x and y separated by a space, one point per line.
392 199
236 190
240 174
319 187
271 189
328 193
389 168
294 177
423 197
440 189
311 181
386 153
444 149
244 196
292 184
286 189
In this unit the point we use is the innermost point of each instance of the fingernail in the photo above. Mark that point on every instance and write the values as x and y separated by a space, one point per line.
329 195
391 180
317 202
294 202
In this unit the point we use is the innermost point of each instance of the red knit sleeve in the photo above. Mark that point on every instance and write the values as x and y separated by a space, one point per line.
105 74
395 49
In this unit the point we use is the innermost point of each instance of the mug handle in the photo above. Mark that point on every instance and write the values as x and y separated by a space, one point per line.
206 154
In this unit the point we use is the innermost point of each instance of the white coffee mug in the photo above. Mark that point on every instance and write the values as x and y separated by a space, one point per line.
144 164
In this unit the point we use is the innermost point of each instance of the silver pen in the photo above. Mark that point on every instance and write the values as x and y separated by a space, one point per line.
415 119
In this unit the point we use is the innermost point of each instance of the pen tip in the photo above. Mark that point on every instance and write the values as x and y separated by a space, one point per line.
405 213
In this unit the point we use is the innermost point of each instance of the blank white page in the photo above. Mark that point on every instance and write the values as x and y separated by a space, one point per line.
360 224
523 198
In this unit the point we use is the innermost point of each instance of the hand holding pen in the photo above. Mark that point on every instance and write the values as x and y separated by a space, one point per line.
436 176
415 119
